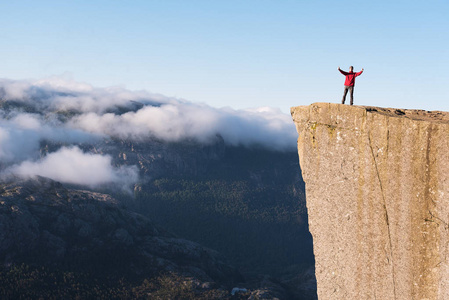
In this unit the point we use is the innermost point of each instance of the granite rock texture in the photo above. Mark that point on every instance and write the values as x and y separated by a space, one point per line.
377 188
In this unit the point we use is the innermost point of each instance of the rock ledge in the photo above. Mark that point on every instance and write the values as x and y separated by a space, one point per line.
377 188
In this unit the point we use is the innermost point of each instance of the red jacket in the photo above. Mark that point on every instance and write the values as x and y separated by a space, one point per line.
350 77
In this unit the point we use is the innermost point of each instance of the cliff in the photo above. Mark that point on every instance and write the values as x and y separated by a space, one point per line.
377 189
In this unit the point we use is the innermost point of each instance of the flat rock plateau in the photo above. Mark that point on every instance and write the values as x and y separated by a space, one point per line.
377 189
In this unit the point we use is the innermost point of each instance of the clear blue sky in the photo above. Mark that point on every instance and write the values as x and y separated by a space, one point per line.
237 53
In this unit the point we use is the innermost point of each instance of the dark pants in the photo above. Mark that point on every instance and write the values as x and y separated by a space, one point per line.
351 89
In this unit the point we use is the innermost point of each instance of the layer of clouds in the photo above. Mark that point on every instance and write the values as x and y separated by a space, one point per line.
162 117
267 127
58 94
67 112
71 165
21 133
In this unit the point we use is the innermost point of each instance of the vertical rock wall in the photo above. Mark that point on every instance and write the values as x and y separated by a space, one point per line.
377 188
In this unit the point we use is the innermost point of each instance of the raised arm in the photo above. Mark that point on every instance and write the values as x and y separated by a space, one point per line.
342 72
359 73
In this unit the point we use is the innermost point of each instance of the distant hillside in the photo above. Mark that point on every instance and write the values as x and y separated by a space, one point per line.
45 225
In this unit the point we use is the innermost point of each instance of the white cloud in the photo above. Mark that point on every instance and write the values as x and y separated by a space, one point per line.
14 89
27 121
21 133
165 118
71 165
267 127
17 144
4 139
61 93
174 122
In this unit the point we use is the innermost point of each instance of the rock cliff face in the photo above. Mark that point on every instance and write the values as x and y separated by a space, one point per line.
377 189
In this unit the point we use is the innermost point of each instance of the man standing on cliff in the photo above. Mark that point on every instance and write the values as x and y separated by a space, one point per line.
349 83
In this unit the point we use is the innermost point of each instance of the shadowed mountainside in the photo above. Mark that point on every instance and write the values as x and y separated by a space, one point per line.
44 223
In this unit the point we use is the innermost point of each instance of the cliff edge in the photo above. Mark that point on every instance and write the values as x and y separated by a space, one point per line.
377 189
